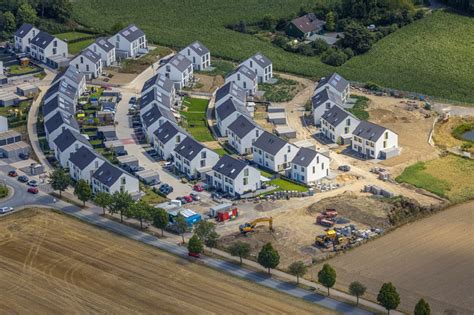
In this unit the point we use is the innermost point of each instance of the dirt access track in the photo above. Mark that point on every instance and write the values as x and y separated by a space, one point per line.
432 259
53 264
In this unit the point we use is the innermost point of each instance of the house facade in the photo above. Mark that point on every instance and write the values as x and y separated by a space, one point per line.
83 163
244 78
337 84
178 69
272 152
110 179
227 113
242 133
373 141
304 26
261 65
57 124
130 42
198 54
166 138
49 50
234 176
193 159
337 125
162 86
155 118
23 37
66 143
230 91
323 101
105 50
308 166
89 63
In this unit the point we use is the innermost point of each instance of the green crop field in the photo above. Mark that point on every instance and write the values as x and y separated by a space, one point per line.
431 56
77 47
72 35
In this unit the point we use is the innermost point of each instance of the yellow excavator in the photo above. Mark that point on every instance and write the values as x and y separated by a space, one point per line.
250 226
331 238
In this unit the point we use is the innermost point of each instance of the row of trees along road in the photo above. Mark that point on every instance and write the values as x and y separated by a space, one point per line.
205 234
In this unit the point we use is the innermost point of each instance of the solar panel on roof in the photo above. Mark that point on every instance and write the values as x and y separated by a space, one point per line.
175 62
126 33
133 28
160 83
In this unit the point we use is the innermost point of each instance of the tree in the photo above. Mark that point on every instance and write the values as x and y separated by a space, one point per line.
357 37
298 269
195 245
26 14
83 191
118 26
103 199
202 229
422 308
268 257
121 203
330 22
240 249
334 57
320 46
160 219
388 296
141 211
358 289
181 225
268 22
9 22
211 240
327 276
59 180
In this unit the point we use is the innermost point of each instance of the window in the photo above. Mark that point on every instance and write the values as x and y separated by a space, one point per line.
386 134
178 138
328 105
246 172
55 43
246 180
168 69
117 38
82 59
123 180
348 121
87 67
203 163
295 167
289 148
238 76
251 63
302 168
189 52
245 85
317 159
322 166
314 169
384 144
203 154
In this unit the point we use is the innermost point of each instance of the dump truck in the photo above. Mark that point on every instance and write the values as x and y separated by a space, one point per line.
322 220
250 226
330 213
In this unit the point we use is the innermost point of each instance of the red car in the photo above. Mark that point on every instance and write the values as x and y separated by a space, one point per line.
195 255
12 174
33 190
188 198
198 187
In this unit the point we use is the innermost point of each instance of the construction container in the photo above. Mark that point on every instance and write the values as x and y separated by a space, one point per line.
224 212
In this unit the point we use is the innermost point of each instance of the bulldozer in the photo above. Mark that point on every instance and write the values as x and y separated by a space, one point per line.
250 226
331 238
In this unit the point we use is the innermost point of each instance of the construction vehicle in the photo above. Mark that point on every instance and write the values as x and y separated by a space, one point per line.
330 213
331 238
323 220
250 226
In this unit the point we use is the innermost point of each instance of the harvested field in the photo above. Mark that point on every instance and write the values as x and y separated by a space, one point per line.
431 258
53 264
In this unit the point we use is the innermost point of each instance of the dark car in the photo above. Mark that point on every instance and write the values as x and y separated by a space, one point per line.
195 196
32 183
33 190
133 100
23 179
182 199
166 189
24 156
12 174
216 196
344 168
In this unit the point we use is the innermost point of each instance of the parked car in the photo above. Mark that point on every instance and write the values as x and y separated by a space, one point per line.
195 196
33 190
182 200
188 198
24 156
168 164
198 187
32 183
23 179
12 174
216 196
195 255
133 100
344 168
6 209
166 189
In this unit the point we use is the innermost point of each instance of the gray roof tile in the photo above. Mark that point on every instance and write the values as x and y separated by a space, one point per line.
323 96
369 131
304 157
232 89
229 166
243 70
23 30
261 60
228 108
269 143
160 81
42 39
83 157
334 80
335 115
242 126
199 48
58 102
68 138
167 131
58 119
104 44
189 148
131 33
108 174
180 62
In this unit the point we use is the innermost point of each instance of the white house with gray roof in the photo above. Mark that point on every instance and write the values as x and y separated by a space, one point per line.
230 90
55 125
335 83
308 166
110 179
272 152
130 42
178 69
261 65
83 163
227 113
234 176
89 63
155 118
49 50
166 138
337 125
244 78
323 101
66 90
242 133
105 50
23 37
74 78
198 54
161 85
58 104
193 159
67 142
152 98
373 141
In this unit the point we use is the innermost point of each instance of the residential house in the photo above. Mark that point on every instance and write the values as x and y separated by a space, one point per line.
261 65
130 42
110 179
64 89
308 166
193 159
155 118
83 163
244 78
68 142
227 113
323 101
74 78
154 97
337 125
230 90
55 125
242 133
105 50
198 54
234 176
166 138
55 104
178 69
304 26
272 152
23 37
374 141
49 50
162 85
337 84
88 63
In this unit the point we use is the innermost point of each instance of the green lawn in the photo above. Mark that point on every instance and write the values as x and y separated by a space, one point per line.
72 35
221 67
75 48
17 69
284 184
432 55
449 177
282 91
194 120
359 107
221 151
196 104
3 191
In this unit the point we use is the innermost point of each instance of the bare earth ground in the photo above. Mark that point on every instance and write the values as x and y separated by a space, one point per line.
52 264
208 83
432 258
443 132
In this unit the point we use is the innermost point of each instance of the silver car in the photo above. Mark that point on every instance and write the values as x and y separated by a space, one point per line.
5 209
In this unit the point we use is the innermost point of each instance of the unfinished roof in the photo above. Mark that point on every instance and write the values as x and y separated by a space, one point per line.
304 157
334 80
189 148
68 138
269 143
23 30
323 96
233 90
83 157
242 126
245 71
229 166
308 23
369 131
180 62
42 39
198 48
132 33
335 115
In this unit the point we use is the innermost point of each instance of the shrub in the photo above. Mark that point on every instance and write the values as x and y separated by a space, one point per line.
334 57
419 14
349 52
373 87
319 46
